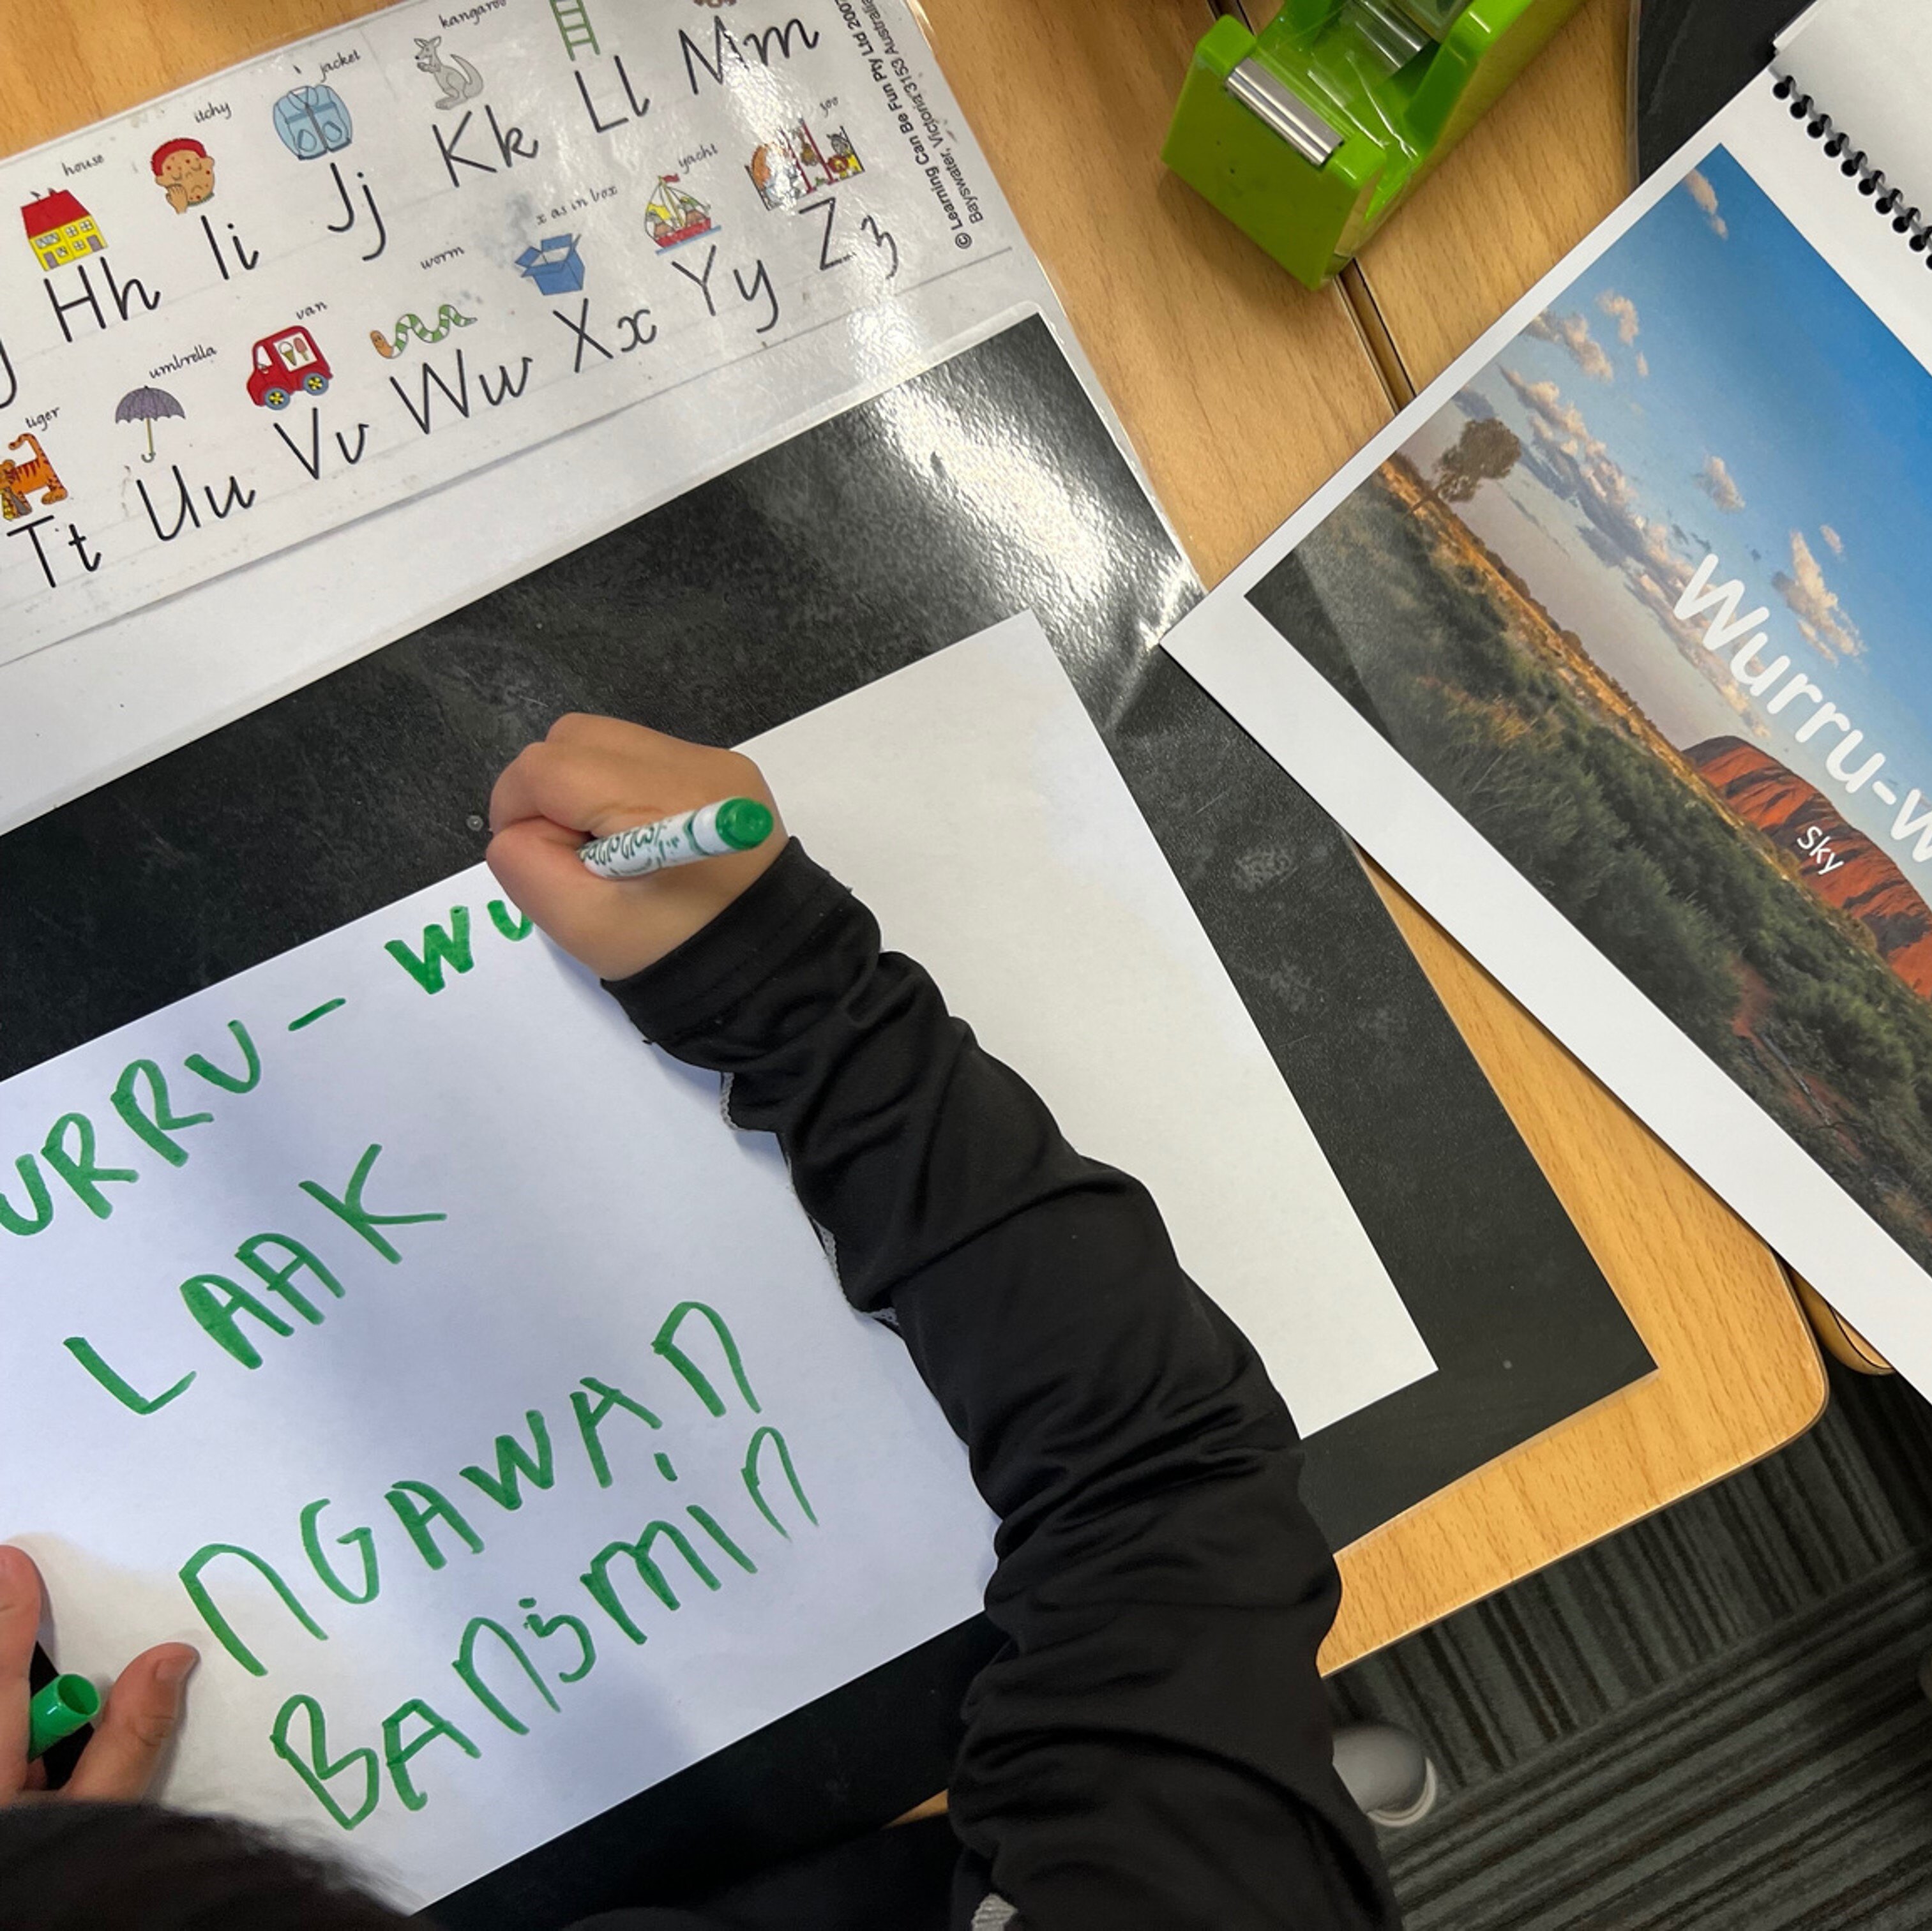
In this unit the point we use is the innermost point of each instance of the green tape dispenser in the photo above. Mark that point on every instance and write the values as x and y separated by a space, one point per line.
1308 135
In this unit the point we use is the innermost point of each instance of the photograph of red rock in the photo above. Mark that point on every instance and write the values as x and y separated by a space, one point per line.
1852 873
1643 604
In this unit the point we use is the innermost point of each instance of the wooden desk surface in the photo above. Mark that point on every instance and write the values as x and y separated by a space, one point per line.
1190 329
1549 156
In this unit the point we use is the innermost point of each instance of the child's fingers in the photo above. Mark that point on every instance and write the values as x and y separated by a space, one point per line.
673 763
570 786
549 843
143 1710
20 1622
599 774
593 776
591 788
535 862
585 730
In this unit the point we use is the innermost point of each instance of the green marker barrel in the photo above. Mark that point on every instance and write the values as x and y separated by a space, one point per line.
66 1704
712 830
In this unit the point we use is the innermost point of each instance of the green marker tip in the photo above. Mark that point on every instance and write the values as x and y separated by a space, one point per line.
744 823
64 1706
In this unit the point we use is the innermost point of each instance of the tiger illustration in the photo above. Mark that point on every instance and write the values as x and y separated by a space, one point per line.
19 481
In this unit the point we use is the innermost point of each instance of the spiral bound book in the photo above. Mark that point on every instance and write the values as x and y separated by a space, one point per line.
1613 649
1858 69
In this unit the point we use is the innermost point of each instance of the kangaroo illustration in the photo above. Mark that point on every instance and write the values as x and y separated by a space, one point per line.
460 82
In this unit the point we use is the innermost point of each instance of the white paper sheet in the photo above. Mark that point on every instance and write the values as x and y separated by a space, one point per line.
1457 875
1866 63
590 1190
1086 968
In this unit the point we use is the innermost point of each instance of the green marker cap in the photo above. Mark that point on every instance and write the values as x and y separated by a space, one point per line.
743 823
67 1703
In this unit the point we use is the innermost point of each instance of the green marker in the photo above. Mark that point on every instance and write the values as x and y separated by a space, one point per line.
712 830
67 1703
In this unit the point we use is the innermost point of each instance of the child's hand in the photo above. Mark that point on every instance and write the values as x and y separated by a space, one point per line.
143 1709
591 777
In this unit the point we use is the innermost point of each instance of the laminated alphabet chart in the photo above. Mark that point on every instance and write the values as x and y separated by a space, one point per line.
391 1323
334 278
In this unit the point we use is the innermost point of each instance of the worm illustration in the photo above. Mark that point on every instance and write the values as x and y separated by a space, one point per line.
392 345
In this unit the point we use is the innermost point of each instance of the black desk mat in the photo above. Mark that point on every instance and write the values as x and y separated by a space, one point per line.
1688 58
985 486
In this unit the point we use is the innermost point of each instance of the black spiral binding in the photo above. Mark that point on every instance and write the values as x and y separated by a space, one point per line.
1885 200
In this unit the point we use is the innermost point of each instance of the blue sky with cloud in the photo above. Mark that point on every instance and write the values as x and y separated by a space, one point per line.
1709 383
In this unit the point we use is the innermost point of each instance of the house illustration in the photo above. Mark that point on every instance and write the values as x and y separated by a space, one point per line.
60 229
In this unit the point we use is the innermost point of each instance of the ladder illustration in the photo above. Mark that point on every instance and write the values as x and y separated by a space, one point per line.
573 22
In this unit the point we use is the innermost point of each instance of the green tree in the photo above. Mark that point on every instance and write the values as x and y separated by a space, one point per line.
1486 452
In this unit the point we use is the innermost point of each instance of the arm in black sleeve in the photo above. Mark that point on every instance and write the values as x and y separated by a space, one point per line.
1151 1747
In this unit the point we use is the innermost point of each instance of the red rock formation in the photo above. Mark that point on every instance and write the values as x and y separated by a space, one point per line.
1865 883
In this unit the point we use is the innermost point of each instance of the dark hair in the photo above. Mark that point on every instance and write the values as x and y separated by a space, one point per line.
136 1867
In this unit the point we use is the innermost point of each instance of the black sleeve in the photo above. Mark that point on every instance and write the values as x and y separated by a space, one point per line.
1151 1747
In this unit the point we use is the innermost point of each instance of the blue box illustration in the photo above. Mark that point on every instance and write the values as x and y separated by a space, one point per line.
554 265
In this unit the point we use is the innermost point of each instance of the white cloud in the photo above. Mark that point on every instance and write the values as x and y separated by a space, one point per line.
1551 418
1622 311
1820 616
1655 558
1706 196
1719 485
1577 467
1833 539
1643 363
1571 332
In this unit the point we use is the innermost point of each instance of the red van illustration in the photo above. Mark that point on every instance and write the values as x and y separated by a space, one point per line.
284 364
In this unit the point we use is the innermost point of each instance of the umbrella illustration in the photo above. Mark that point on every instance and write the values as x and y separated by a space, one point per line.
147 405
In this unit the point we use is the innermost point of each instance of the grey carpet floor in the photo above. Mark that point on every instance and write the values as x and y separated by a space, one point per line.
1709 1720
